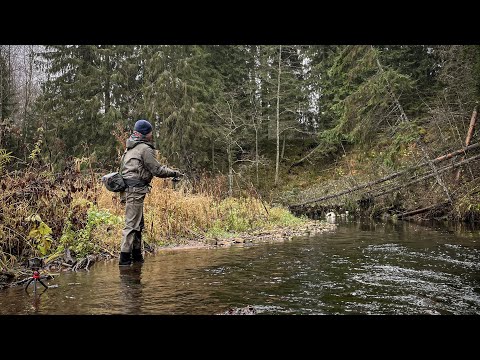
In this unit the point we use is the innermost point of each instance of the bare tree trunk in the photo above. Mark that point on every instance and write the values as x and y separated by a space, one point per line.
283 146
256 153
473 158
296 163
230 170
473 120
419 211
256 119
229 150
469 137
277 163
27 78
107 85
10 72
28 91
213 156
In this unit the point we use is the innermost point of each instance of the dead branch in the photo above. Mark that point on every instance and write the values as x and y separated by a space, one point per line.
296 163
434 169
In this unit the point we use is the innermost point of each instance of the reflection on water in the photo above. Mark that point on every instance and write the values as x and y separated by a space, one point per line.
362 268
131 288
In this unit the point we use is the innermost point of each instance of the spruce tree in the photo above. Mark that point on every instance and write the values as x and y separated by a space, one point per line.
363 96
88 91
179 89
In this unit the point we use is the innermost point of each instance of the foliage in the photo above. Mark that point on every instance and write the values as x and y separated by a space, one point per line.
398 147
365 101
81 241
40 233
5 158
34 154
240 215
334 100
49 198
88 90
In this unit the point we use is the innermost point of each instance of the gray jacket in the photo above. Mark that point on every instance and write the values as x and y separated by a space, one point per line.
139 163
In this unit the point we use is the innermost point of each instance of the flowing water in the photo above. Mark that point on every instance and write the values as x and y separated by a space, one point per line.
361 268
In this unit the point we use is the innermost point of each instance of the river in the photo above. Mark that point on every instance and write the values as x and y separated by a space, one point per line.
361 268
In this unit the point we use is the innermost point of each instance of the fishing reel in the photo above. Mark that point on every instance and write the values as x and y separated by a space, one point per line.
175 180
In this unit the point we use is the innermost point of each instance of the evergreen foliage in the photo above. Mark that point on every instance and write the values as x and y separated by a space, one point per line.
327 95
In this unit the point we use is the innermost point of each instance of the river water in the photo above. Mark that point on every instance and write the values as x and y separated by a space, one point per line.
361 268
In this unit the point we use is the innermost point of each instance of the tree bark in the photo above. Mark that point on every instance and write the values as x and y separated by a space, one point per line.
230 171
1 91
28 92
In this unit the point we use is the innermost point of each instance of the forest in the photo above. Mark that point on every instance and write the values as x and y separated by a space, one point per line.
262 132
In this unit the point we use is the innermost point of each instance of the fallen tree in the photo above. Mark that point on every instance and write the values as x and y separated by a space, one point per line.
394 175
420 211
445 168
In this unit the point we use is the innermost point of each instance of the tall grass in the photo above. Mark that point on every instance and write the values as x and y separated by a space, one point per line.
46 214
197 211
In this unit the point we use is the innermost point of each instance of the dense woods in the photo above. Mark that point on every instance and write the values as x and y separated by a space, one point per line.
225 109
291 122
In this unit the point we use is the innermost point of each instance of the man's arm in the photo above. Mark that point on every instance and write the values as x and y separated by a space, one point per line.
152 164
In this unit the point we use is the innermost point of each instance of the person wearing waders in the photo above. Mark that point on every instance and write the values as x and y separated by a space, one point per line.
138 168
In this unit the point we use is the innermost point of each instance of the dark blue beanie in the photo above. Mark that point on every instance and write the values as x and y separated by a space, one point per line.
143 127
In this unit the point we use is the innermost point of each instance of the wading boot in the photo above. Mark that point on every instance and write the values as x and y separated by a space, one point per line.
125 259
137 255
